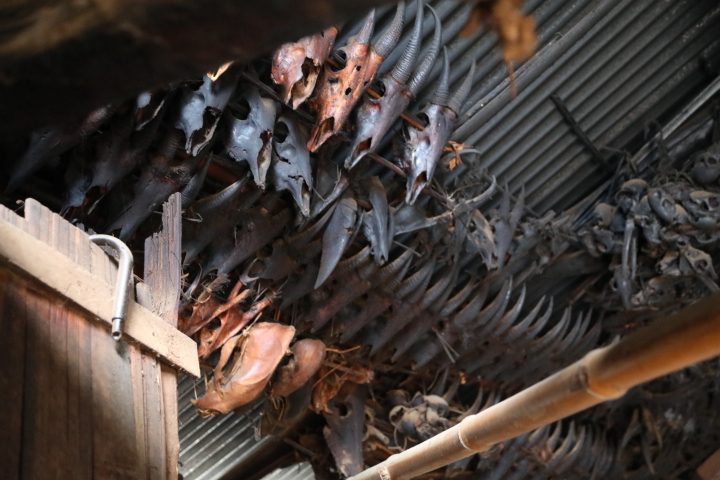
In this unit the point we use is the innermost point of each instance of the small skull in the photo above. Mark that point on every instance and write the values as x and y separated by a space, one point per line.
694 260
706 166
705 201
603 214
662 204
629 194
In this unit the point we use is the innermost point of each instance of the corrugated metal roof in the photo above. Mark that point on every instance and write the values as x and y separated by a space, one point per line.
618 65
299 471
211 447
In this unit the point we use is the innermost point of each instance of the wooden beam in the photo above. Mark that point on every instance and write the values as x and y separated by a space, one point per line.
61 275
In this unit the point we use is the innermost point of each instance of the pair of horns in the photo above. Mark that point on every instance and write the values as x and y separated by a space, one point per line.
389 38
402 70
440 97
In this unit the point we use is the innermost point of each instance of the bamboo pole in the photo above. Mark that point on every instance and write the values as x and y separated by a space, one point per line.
669 344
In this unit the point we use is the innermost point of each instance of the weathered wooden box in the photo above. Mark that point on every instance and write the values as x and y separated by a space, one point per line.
78 404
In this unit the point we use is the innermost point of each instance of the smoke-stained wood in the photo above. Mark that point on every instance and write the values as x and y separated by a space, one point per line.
59 60
79 404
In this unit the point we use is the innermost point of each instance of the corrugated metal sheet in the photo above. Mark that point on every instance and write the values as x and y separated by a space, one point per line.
619 65
210 447
294 472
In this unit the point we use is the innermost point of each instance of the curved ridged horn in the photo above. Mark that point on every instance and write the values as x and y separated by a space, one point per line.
423 70
212 202
456 102
441 92
390 37
363 37
403 68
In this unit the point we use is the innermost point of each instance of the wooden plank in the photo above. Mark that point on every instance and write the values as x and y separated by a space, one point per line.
168 379
162 272
84 331
12 356
13 218
154 419
74 404
55 412
65 277
48 449
163 265
163 269
137 372
37 359
115 452
36 215
54 403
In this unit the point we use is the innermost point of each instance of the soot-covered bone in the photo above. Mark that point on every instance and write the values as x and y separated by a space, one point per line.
291 169
296 66
249 135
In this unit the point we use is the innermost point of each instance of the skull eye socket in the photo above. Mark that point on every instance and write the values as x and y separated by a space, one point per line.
379 87
343 409
195 86
424 119
240 110
339 63
281 132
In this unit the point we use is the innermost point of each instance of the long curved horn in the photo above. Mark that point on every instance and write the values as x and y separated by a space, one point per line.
456 102
390 37
421 73
403 68
365 34
440 96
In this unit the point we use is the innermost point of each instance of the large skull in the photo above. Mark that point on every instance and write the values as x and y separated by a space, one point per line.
249 134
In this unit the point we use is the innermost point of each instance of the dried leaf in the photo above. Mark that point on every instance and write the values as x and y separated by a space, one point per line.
516 32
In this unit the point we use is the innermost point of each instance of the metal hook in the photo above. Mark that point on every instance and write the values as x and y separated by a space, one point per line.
122 290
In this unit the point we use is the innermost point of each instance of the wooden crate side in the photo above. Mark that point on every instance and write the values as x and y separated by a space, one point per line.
12 379
115 450
83 406
66 278
77 405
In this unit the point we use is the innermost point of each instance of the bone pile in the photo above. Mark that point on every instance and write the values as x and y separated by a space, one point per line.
661 236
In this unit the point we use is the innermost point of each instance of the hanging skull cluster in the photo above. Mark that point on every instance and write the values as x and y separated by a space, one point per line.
345 94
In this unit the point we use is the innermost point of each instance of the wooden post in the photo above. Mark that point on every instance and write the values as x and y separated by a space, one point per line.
163 267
